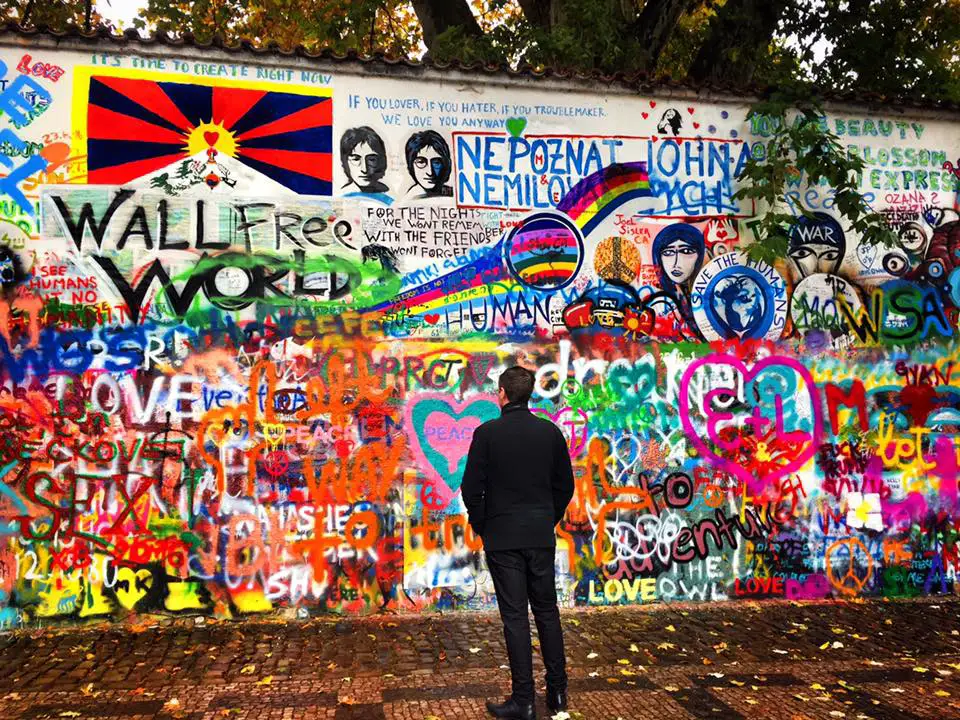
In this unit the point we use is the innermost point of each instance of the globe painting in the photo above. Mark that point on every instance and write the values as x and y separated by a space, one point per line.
739 303
734 298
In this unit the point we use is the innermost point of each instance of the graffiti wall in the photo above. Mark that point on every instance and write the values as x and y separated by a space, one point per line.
251 314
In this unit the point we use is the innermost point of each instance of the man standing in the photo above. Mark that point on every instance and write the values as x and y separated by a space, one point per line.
516 486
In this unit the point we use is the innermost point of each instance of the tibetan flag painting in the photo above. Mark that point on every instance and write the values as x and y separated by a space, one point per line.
198 136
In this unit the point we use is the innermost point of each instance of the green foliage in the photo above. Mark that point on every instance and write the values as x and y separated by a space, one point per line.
900 49
801 144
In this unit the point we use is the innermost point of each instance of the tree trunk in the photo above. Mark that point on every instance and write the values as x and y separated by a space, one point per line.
737 38
656 24
438 16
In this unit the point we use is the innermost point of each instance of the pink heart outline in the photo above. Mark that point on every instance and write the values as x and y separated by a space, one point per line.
726 464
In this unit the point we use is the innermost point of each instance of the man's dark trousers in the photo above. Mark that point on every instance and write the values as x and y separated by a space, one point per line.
520 576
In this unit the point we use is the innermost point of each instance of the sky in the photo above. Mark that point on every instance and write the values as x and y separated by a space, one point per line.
120 12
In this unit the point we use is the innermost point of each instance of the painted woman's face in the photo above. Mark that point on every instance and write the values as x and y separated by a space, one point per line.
679 261
365 165
428 169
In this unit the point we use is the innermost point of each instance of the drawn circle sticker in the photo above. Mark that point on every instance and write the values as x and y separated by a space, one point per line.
545 251
816 304
737 298
617 258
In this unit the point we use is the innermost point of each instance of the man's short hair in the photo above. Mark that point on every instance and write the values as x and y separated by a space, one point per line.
517 383
359 136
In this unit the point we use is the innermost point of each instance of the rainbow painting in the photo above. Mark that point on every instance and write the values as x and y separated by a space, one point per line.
597 195
545 252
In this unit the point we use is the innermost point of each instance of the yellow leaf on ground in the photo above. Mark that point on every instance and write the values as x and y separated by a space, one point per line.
817 686
671 628
627 673
634 648
623 661
248 669
737 683
666 646
751 701
837 631
825 645
266 681
671 688
921 669
592 655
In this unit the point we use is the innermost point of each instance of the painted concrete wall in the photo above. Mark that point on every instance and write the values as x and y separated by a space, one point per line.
254 308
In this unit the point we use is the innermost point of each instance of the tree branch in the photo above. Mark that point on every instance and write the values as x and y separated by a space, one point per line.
738 36
438 16
656 24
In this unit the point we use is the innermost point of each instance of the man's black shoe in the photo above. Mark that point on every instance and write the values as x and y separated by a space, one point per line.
556 701
513 710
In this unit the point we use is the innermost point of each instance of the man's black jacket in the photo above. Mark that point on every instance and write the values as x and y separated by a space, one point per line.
518 480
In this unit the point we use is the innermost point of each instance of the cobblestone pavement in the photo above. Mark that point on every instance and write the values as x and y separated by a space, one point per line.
875 659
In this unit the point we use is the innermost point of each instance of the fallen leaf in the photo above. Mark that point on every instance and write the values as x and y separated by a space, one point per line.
817 686
474 651
671 628
172 702
895 690
671 688
888 621
804 698
666 646
613 681
873 662
780 652
592 655
69 713
921 669
737 682
717 675
706 661
266 681
623 661
248 669
627 673
942 693
594 674
825 645
751 701
837 713
855 636
836 644
574 622
837 631
634 648
87 689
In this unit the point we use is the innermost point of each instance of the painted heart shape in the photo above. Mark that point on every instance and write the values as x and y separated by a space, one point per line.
867 253
653 104
211 137
132 586
432 318
787 447
440 429
696 126
645 115
690 110
516 126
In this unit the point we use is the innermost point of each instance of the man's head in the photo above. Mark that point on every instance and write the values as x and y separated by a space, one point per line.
428 160
516 385
364 157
